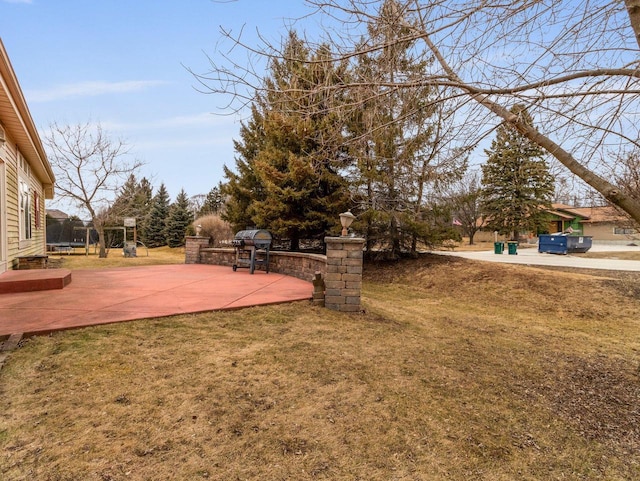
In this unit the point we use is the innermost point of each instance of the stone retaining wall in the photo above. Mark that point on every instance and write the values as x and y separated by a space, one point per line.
337 276
296 264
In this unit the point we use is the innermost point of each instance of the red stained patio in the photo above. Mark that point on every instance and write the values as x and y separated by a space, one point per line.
103 296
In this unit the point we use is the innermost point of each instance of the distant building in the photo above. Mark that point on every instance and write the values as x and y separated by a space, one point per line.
57 215
26 177
603 223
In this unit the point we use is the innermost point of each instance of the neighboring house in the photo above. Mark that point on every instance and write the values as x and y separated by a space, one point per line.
57 215
26 178
603 223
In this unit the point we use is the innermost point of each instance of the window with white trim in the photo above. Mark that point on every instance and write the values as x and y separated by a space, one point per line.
24 199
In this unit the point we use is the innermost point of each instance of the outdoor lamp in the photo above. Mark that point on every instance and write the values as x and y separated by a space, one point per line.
346 218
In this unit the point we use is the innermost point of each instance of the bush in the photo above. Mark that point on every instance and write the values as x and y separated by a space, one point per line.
215 228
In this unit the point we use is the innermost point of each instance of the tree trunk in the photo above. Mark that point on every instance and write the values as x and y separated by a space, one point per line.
633 9
295 243
101 242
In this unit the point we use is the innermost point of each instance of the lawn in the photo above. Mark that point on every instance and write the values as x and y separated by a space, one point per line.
456 370
115 258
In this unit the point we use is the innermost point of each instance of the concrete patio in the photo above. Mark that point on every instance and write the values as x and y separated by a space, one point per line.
102 296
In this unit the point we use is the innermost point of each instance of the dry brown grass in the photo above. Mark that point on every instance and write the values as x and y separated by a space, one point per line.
145 257
457 370
622 255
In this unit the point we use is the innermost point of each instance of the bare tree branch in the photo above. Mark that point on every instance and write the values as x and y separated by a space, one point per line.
574 65
90 167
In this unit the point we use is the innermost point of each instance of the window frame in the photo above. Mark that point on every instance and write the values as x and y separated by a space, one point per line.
25 213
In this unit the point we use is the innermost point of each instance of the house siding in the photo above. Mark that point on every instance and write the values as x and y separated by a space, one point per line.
22 142
16 248
606 231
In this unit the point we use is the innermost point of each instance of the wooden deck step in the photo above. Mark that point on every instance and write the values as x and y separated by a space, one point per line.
34 280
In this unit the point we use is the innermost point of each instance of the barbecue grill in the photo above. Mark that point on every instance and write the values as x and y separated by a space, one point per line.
252 249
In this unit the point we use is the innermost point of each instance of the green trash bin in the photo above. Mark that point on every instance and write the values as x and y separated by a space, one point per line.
513 248
498 247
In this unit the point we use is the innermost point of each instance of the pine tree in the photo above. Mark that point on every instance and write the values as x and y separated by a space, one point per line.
243 187
291 151
156 222
179 219
123 204
143 204
516 184
133 200
213 202
395 139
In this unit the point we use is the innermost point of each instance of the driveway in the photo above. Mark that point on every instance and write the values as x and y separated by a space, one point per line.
531 256
102 296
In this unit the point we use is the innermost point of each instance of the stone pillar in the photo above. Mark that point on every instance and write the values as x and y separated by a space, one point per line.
192 248
343 279
318 289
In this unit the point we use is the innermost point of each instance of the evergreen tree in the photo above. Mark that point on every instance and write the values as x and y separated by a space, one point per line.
213 202
156 222
243 186
516 184
133 200
124 202
180 217
291 152
397 139
143 204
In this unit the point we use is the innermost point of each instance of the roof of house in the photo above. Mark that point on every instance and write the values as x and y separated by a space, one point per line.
592 215
17 121
57 214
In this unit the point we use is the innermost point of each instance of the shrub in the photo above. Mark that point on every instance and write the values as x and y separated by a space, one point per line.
212 226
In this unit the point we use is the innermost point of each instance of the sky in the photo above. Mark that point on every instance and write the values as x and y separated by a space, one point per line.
124 64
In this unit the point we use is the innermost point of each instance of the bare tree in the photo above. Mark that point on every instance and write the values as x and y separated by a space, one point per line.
90 167
573 65
465 197
626 173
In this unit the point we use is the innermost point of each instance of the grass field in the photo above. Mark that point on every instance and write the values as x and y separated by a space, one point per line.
456 370
623 255
145 257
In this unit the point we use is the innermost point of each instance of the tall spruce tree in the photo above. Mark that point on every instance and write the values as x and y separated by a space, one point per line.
291 153
180 216
213 202
243 187
397 139
516 184
156 222
133 200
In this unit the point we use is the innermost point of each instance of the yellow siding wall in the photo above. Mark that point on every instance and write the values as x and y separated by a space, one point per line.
605 231
36 245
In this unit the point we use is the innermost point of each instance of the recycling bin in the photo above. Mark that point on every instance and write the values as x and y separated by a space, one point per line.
513 248
498 247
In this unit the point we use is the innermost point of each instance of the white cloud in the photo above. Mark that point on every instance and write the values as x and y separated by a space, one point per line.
89 89
203 119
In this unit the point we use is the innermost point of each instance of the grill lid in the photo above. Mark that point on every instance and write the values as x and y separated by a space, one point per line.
254 234
255 237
